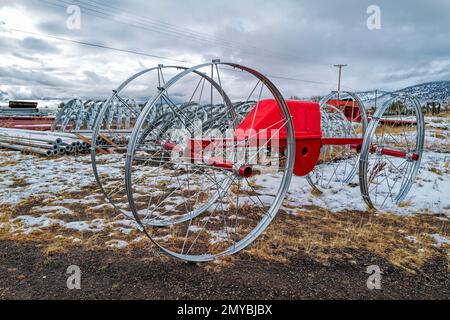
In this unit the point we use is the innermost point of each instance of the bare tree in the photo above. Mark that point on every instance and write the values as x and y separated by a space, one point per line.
316 98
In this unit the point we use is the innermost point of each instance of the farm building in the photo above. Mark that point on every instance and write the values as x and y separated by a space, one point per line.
349 107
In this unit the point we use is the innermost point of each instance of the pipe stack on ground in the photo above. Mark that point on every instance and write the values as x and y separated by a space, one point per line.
25 112
42 143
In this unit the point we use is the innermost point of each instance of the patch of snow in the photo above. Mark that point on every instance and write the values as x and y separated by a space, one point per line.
138 239
125 230
42 221
440 240
429 193
54 209
412 239
33 223
218 236
120 244
195 229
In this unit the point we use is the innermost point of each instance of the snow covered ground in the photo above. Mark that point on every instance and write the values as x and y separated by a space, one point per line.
62 192
431 192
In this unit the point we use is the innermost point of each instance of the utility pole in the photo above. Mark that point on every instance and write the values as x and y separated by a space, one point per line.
340 66
376 97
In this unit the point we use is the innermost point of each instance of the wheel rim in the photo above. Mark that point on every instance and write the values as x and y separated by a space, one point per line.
337 165
69 116
114 122
218 213
399 125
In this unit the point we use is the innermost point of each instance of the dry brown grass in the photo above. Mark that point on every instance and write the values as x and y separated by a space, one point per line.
24 207
395 130
19 182
405 204
316 232
436 171
323 235
439 135
444 114
9 163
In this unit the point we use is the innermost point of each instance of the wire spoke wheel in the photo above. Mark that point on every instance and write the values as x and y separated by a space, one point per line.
70 116
194 180
391 153
112 129
340 118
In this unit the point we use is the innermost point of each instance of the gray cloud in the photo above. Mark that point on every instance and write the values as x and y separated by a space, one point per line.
38 45
16 75
296 39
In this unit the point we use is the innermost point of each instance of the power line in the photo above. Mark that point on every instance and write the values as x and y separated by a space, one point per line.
139 25
161 23
150 21
186 30
172 30
299 80
96 45
143 53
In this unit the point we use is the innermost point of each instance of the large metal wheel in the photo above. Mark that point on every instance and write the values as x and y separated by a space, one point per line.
69 117
192 204
337 164
114 122
391 152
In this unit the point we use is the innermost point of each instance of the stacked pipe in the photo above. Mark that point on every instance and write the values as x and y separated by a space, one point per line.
28 112
43 143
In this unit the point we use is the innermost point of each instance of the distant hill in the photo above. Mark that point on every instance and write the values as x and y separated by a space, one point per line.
429 91
3 96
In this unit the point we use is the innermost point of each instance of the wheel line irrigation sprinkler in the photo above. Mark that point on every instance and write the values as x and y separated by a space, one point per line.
204 163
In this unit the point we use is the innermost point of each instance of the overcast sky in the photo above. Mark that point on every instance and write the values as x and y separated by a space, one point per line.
294 39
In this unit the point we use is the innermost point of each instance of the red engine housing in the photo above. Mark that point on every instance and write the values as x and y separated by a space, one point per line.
266 115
